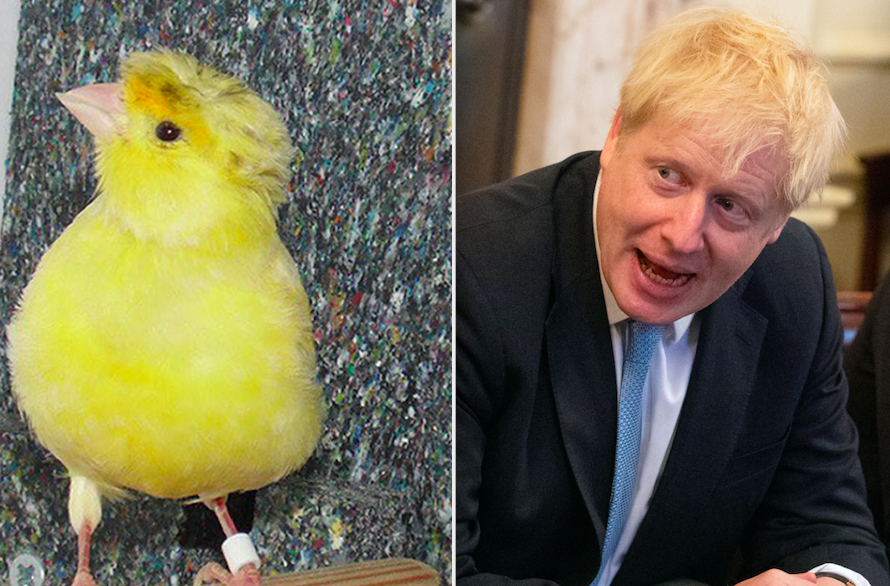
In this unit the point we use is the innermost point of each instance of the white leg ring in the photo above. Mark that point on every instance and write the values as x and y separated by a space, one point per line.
239 551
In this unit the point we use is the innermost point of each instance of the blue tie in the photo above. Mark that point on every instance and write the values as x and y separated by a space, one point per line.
641 344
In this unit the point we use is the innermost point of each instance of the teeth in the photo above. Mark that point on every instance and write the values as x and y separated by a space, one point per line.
678 282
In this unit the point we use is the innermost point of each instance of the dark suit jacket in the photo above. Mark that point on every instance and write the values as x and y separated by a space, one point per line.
764 457
867 363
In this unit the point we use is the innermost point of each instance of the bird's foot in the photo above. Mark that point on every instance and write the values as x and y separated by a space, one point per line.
214 573
83 578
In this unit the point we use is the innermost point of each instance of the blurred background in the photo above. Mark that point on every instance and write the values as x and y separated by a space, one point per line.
538 80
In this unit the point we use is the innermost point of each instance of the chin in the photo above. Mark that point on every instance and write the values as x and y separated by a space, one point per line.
655 313
646 313
657 318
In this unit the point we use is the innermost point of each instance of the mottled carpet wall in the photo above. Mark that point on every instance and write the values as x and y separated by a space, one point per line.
364 88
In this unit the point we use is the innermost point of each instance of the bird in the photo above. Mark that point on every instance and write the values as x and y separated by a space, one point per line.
164 344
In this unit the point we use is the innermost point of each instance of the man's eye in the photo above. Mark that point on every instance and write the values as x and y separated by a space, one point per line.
731 208
668 174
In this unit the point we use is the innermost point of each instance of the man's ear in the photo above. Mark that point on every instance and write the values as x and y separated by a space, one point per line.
611 140
775 235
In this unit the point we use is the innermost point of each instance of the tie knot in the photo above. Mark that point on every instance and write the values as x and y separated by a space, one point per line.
642 340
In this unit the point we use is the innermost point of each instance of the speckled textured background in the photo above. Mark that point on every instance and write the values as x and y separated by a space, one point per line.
365 89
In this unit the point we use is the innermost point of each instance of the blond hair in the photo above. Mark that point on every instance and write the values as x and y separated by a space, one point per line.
746 84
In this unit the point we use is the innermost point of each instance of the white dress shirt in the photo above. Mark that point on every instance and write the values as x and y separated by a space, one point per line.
663 395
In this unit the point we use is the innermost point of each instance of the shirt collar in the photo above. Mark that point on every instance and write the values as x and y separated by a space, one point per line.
681 326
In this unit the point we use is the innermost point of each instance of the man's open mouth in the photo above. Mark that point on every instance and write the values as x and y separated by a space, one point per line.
661 275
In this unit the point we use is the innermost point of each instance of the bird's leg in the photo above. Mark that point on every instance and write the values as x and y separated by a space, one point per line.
83 576
218 506
213 573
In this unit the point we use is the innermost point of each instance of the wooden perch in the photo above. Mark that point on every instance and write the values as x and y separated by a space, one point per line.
389 572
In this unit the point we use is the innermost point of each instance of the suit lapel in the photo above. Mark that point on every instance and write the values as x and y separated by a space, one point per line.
582 371
579 346
710 421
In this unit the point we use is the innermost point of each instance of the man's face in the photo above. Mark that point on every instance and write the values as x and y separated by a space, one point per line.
675 233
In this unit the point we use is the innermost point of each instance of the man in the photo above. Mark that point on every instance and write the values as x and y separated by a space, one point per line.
867 365
744 462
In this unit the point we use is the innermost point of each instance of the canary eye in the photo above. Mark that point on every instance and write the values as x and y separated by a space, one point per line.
167 131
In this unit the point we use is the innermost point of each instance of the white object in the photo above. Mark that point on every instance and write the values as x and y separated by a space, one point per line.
26 570
239 551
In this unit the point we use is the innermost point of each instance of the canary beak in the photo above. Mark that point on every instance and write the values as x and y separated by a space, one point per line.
98 107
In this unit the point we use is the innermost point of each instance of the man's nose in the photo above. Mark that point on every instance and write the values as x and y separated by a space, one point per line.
686 222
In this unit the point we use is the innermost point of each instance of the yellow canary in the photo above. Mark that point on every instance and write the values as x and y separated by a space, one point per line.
164 344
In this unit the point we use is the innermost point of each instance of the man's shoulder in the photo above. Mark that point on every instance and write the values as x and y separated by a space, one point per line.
507 233
796 255
791 274
507 240
796 239
528 194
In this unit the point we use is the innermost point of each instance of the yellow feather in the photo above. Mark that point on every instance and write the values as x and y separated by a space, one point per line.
164 343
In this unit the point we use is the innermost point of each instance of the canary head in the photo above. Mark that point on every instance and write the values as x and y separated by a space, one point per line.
177 141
